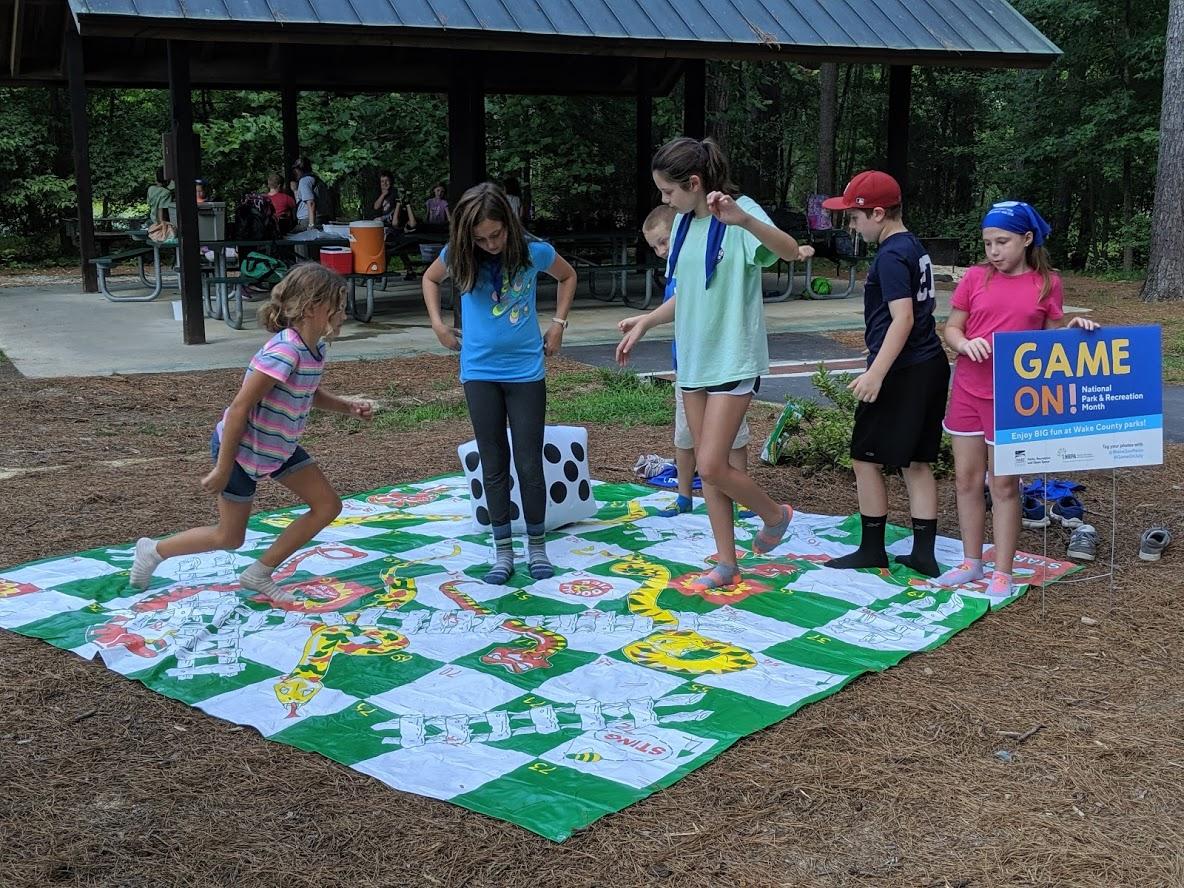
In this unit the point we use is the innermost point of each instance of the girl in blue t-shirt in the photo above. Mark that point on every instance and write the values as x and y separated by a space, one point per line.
494 268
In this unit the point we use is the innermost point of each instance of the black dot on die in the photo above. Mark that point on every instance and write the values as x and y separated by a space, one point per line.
472 460
514 513
585 491
482 515
558 492
551 452
475 488
511 482
577 450
571 471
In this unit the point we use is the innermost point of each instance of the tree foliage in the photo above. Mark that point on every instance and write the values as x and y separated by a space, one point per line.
1079 140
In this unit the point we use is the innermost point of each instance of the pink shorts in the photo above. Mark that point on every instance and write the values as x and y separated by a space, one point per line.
969 415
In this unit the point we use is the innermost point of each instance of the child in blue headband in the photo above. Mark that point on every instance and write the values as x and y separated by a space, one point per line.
1014 289
720 244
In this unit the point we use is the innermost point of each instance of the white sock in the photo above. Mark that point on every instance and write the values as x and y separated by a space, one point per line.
970 570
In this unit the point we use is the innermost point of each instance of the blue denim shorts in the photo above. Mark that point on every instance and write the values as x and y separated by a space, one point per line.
241 486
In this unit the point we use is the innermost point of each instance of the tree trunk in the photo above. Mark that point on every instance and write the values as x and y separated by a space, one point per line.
1165 271
828 88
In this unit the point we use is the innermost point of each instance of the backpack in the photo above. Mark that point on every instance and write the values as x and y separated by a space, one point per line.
326 208
262 270
254 219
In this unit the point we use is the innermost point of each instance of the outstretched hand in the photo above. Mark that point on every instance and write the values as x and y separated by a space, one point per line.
633 333
362 409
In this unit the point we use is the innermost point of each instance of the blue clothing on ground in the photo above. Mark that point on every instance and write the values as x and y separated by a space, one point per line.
901 270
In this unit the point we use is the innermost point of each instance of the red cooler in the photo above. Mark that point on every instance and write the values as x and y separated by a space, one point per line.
340 259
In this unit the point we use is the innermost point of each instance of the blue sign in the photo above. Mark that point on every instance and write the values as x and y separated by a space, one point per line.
1074 399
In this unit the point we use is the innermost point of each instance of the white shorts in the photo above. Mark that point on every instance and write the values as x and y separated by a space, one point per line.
682 431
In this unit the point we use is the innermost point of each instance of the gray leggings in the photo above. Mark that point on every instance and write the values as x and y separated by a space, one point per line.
524 404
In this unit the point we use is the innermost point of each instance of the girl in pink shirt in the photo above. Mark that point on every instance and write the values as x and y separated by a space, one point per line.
259 435
1014 289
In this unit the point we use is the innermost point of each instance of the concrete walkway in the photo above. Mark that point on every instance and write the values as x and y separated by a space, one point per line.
56 330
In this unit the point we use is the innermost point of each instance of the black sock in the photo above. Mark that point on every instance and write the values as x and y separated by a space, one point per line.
871 546
921 559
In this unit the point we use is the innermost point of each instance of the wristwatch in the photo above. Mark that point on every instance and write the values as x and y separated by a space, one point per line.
562 322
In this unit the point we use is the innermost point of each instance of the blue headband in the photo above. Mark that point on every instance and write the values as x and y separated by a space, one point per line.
1017 216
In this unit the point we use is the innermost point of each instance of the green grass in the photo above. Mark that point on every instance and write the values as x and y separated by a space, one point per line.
610 396
407 417
607 396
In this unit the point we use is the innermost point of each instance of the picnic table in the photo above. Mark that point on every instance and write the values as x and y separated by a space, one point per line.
606 252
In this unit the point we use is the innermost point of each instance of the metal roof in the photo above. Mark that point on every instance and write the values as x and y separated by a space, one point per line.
941 31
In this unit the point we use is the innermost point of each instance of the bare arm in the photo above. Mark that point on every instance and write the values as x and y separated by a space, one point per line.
866 386
323 400
435 275
234 426
565 276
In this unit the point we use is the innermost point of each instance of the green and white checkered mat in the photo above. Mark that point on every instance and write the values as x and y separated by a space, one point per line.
548 704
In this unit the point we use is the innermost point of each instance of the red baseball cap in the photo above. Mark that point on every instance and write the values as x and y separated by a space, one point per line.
867 190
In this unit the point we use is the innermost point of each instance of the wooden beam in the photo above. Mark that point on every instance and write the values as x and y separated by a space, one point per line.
18 25
79 126
185 157
644 151
291 128
900 94
694 99
466 128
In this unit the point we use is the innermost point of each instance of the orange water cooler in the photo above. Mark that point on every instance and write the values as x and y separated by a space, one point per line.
368 244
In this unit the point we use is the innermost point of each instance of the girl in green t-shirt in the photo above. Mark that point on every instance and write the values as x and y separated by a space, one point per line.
719 246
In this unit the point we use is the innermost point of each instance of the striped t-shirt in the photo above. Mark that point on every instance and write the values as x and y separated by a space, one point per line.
275 423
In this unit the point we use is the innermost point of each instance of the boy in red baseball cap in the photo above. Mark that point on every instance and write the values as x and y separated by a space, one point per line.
902 394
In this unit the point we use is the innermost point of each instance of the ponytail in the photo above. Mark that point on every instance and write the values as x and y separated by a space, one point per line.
681 158
304 286
271 317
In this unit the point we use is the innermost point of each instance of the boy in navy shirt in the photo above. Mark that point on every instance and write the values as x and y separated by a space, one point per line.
902 394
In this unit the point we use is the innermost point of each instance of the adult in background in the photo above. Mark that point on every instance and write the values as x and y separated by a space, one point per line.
306 197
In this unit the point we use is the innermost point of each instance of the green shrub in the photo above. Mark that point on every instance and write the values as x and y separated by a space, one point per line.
819 438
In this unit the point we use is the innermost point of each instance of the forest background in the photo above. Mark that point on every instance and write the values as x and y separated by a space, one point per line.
1079 140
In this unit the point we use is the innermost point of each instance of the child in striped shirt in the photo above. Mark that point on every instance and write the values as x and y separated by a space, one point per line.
259 433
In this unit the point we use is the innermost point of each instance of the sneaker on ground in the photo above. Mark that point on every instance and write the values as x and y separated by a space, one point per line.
1069 511
1083 544
1035 514
1153 542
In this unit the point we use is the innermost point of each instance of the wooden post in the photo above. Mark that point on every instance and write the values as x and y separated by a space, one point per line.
466 128
694 98
81 137
291 129
900 94
185 158
645 149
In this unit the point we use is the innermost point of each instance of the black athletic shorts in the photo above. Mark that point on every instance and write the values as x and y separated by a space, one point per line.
903 424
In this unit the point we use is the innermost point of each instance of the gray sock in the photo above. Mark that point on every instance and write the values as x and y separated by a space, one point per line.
541 567
503 563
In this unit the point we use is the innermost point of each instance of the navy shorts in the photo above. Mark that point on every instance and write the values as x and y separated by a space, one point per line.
241 486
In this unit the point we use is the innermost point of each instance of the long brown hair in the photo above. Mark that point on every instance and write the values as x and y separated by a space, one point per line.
681 158
307 285
481 203
1039 261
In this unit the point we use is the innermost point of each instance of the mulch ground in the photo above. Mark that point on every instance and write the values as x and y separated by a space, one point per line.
903 779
